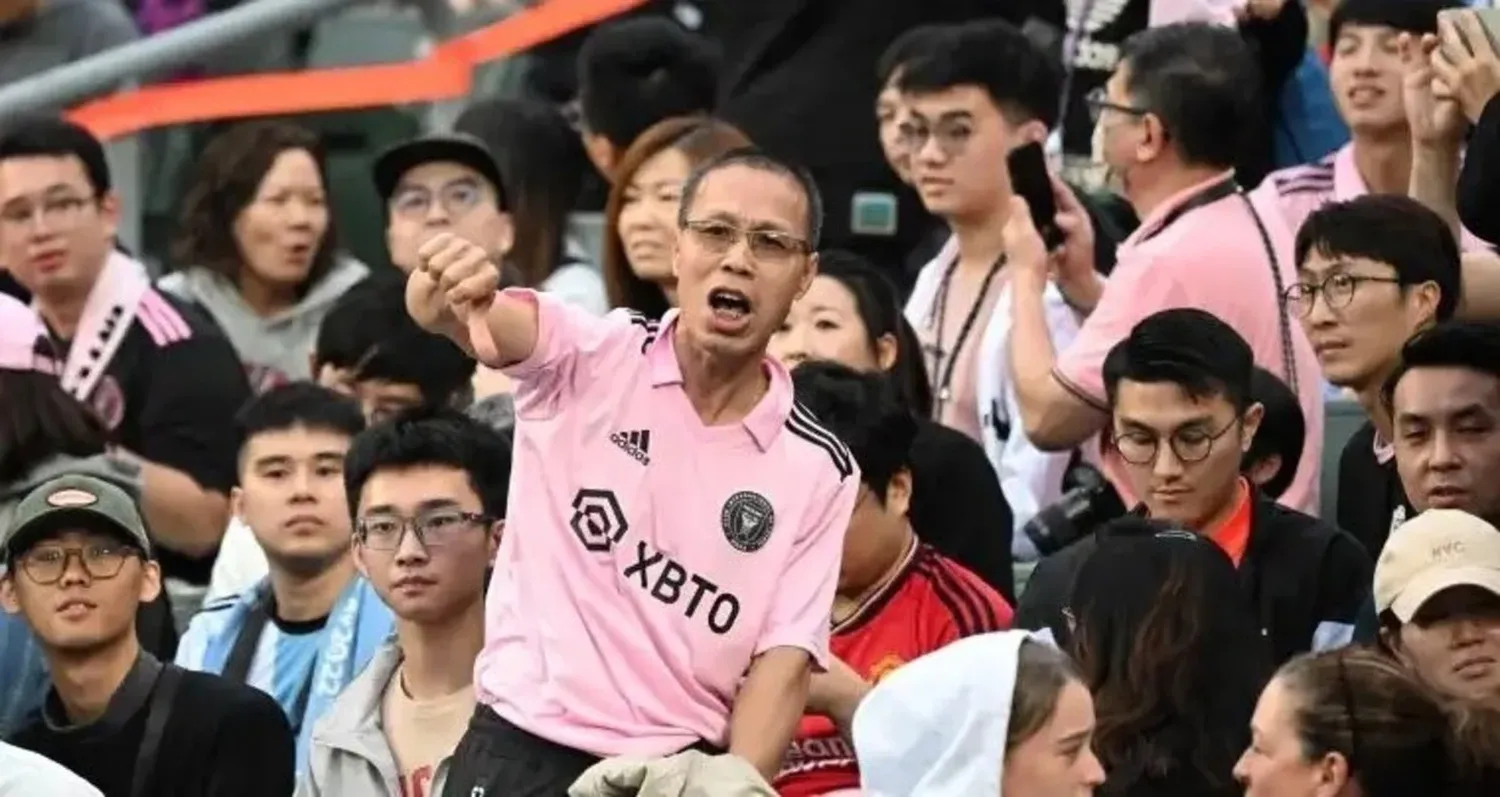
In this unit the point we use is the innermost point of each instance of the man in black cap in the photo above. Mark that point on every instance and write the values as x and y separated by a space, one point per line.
78 563
442 183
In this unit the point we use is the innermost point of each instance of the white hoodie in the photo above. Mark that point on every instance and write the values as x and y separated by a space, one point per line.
937 726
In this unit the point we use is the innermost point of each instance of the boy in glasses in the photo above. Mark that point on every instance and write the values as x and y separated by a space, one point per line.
428 491
1182 417
78 564
1371 272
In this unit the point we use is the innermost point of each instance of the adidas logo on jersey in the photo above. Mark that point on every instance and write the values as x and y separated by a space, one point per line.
635 443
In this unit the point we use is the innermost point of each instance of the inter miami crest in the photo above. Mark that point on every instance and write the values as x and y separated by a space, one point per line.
747 518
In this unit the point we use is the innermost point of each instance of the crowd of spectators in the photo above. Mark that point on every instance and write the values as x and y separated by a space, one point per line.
1015 404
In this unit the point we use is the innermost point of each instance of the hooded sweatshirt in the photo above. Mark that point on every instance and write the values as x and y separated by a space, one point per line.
275 349
937 726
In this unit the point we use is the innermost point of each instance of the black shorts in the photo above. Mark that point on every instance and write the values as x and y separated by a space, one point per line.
496 758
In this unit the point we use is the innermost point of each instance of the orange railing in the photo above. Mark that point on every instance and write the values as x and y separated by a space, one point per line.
444 74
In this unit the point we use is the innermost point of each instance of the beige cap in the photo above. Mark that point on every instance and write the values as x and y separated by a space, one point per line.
1436 550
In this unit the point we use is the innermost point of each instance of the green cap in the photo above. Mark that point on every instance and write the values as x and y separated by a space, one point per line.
69 499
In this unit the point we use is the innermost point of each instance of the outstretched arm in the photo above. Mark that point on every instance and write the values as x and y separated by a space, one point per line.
454 291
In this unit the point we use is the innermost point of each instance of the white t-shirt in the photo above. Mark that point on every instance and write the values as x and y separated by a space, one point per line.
578 284
241 563
24 773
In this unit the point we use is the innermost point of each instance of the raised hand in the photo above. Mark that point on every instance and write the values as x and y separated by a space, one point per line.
1466 62
453 279
1436 120
1025 253
1074 260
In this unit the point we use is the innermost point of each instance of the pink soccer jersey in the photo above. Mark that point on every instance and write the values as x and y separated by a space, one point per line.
1296 191
647 557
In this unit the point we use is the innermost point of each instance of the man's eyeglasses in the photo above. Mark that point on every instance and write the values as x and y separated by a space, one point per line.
1337 289
384 532
56 212
1098 102
457 199
46 564
1190 445
952 136
766 246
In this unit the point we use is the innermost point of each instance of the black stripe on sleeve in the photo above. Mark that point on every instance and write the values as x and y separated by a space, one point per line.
972 611
802 423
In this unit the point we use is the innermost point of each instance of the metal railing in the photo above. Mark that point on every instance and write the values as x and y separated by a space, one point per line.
197 42
164 52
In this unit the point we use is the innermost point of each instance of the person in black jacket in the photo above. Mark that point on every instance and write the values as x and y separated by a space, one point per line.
1181 418
1371 272
1173 657
79 562
1445 399
849 315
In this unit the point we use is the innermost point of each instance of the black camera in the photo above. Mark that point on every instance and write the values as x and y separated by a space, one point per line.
1088 502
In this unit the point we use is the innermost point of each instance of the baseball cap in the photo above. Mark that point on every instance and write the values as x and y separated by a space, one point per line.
1436 550
455 147
74 498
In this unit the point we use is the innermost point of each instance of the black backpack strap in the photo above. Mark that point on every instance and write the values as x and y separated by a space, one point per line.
237 666
156 724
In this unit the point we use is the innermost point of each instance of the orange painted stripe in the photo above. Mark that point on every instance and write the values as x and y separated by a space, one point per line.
445 74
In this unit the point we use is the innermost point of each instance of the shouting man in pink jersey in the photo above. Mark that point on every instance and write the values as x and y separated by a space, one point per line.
677 518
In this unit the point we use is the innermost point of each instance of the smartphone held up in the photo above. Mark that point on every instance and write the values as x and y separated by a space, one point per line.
1030 180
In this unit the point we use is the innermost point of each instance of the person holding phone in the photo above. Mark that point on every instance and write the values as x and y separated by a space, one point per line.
980 99
1170 127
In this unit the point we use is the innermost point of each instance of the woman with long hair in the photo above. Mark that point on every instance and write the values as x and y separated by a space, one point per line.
1171 651
256 246
640 218
850 315
1355 723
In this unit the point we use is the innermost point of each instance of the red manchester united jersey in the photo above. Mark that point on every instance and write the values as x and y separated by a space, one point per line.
932 601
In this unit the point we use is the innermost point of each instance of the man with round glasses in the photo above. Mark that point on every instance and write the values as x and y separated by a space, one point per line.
429 492
1181 420
1371 272
78 564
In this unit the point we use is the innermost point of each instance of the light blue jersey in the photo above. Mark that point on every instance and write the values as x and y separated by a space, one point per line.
23 675
283 663
303 665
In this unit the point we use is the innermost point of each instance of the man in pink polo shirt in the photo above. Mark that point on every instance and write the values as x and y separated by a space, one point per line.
1169 126
1402 139
677 519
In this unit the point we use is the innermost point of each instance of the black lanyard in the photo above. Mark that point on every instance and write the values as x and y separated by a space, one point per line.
1213 193
1221 190
943 363
156 724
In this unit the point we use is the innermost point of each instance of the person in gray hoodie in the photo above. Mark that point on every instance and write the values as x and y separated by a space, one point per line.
995 715
428 491
256 247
